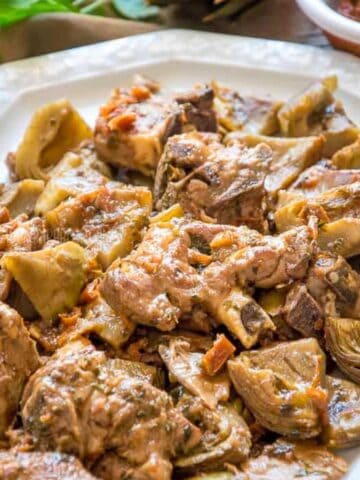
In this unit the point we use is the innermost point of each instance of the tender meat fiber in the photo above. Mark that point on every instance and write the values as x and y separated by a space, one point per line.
107 221
83 404
284 386
157 282
293 460
18 360
134 125
41 466
211 180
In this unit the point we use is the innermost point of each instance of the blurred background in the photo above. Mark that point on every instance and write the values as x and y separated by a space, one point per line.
33 27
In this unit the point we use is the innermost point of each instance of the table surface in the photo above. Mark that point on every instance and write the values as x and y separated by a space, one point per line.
276 19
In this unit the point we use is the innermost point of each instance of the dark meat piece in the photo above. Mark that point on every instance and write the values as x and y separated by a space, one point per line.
225 435
41 466
343 342
343 428
302 312
83 404
18 360
107 221
285 460
133 127
236 112
211 180
284 386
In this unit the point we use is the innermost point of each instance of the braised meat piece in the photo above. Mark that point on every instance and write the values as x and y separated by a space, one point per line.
225 436
133 127
107 221
316 112
18 360
284 386
343 428
41 466
210 180
293 460
158 282
84 404
252 114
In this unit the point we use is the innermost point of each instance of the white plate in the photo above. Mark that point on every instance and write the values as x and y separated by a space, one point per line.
177 58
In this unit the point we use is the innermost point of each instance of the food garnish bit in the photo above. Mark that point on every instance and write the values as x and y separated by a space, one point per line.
177 285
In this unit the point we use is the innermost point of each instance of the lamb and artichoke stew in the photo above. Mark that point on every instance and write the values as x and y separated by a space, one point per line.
180 288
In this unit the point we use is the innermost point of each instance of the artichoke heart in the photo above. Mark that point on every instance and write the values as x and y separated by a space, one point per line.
254 115
343 428
283 386
226 437
52 278
348 157
316 112
53 130
107 221
290 156
337 211
21 197
78 172
343 342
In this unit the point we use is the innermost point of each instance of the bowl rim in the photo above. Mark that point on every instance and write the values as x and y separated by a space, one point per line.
330 20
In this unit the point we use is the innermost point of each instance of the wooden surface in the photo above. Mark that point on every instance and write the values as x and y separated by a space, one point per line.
277 19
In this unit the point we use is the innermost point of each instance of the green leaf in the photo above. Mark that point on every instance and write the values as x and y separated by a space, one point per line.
12 11
135 9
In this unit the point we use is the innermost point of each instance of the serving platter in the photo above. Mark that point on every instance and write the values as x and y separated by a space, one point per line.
178 59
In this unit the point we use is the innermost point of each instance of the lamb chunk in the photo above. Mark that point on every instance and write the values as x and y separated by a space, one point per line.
156 284
41 466
284 386
343 428
302 312
18 360
210 180
84 404
236 112
198 108
294 460
133 127
107 221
